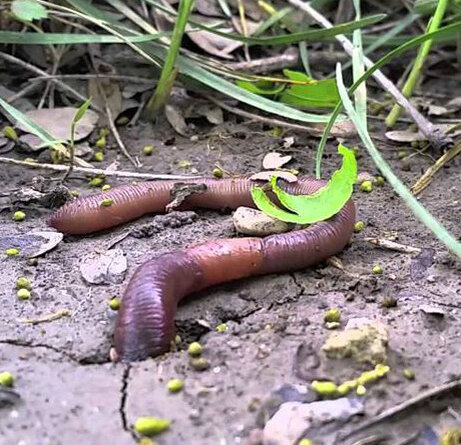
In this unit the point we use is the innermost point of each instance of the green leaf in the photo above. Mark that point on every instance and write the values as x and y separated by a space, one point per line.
318 94
34 38
28 10
319 206
82 110
261 87
297 75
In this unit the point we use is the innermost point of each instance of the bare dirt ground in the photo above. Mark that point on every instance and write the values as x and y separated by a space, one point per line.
70 392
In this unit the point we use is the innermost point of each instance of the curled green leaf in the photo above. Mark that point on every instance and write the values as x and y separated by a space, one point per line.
308 209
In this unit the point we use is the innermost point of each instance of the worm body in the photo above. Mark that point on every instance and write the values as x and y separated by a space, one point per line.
145 323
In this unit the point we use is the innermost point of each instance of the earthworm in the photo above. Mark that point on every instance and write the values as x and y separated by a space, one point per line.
145 323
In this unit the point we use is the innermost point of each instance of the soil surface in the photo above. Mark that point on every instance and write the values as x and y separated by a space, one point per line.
70 392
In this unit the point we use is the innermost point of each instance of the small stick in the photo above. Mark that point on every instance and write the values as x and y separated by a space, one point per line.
93 171
426 178
40 72
45 319
430 131
392 245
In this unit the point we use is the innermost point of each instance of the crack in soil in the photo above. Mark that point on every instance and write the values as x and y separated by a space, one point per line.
124 395
28 344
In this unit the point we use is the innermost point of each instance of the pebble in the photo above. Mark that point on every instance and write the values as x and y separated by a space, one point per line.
255 223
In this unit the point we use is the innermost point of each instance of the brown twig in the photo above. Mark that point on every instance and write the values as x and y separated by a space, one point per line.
430 131
92 171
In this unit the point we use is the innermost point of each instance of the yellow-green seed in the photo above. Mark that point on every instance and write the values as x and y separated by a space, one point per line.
114 304
324 388
377 269
177 339
222 327
175 385
103 132
357 152
195 349
96 182
101 143
107 202
6 378
147 441
332 315
277 131
74 193
199 363
122 120
184 164
23 283
359 226
11 252
106 188
217 173
99 156
10 133
23 294
361 390
402 154
380 182
149 426
305 442
366 186
148 150
19 216
409 374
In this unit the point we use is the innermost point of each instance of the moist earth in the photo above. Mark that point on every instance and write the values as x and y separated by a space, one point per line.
68 391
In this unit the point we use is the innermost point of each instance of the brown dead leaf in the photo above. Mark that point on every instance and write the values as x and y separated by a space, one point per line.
176 119
275 160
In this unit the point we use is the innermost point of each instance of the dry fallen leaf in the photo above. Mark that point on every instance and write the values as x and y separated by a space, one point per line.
275 160
57 122
176 119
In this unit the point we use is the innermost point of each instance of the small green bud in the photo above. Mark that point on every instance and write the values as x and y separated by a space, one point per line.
409 374
324 388
114 303
106 188
359 226
222 327
380 182
366 186
96 182
74 193
149 426
11 252
10 133
23 294
107 202
23 283
332 315
103 132
101 144
99 156
6 378
148 150
195 349
19 216
361 390
199 363
175 385
217 173
377 269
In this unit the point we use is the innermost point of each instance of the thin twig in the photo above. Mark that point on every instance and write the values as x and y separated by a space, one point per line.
391 412
275 122
430 131
426 178
93 171
40 72
392 245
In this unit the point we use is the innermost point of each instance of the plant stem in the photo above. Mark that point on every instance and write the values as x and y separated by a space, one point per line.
165 83
423 52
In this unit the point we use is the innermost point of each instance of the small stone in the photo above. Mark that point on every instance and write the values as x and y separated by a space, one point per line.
194 138
255 223
432 310
332 325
